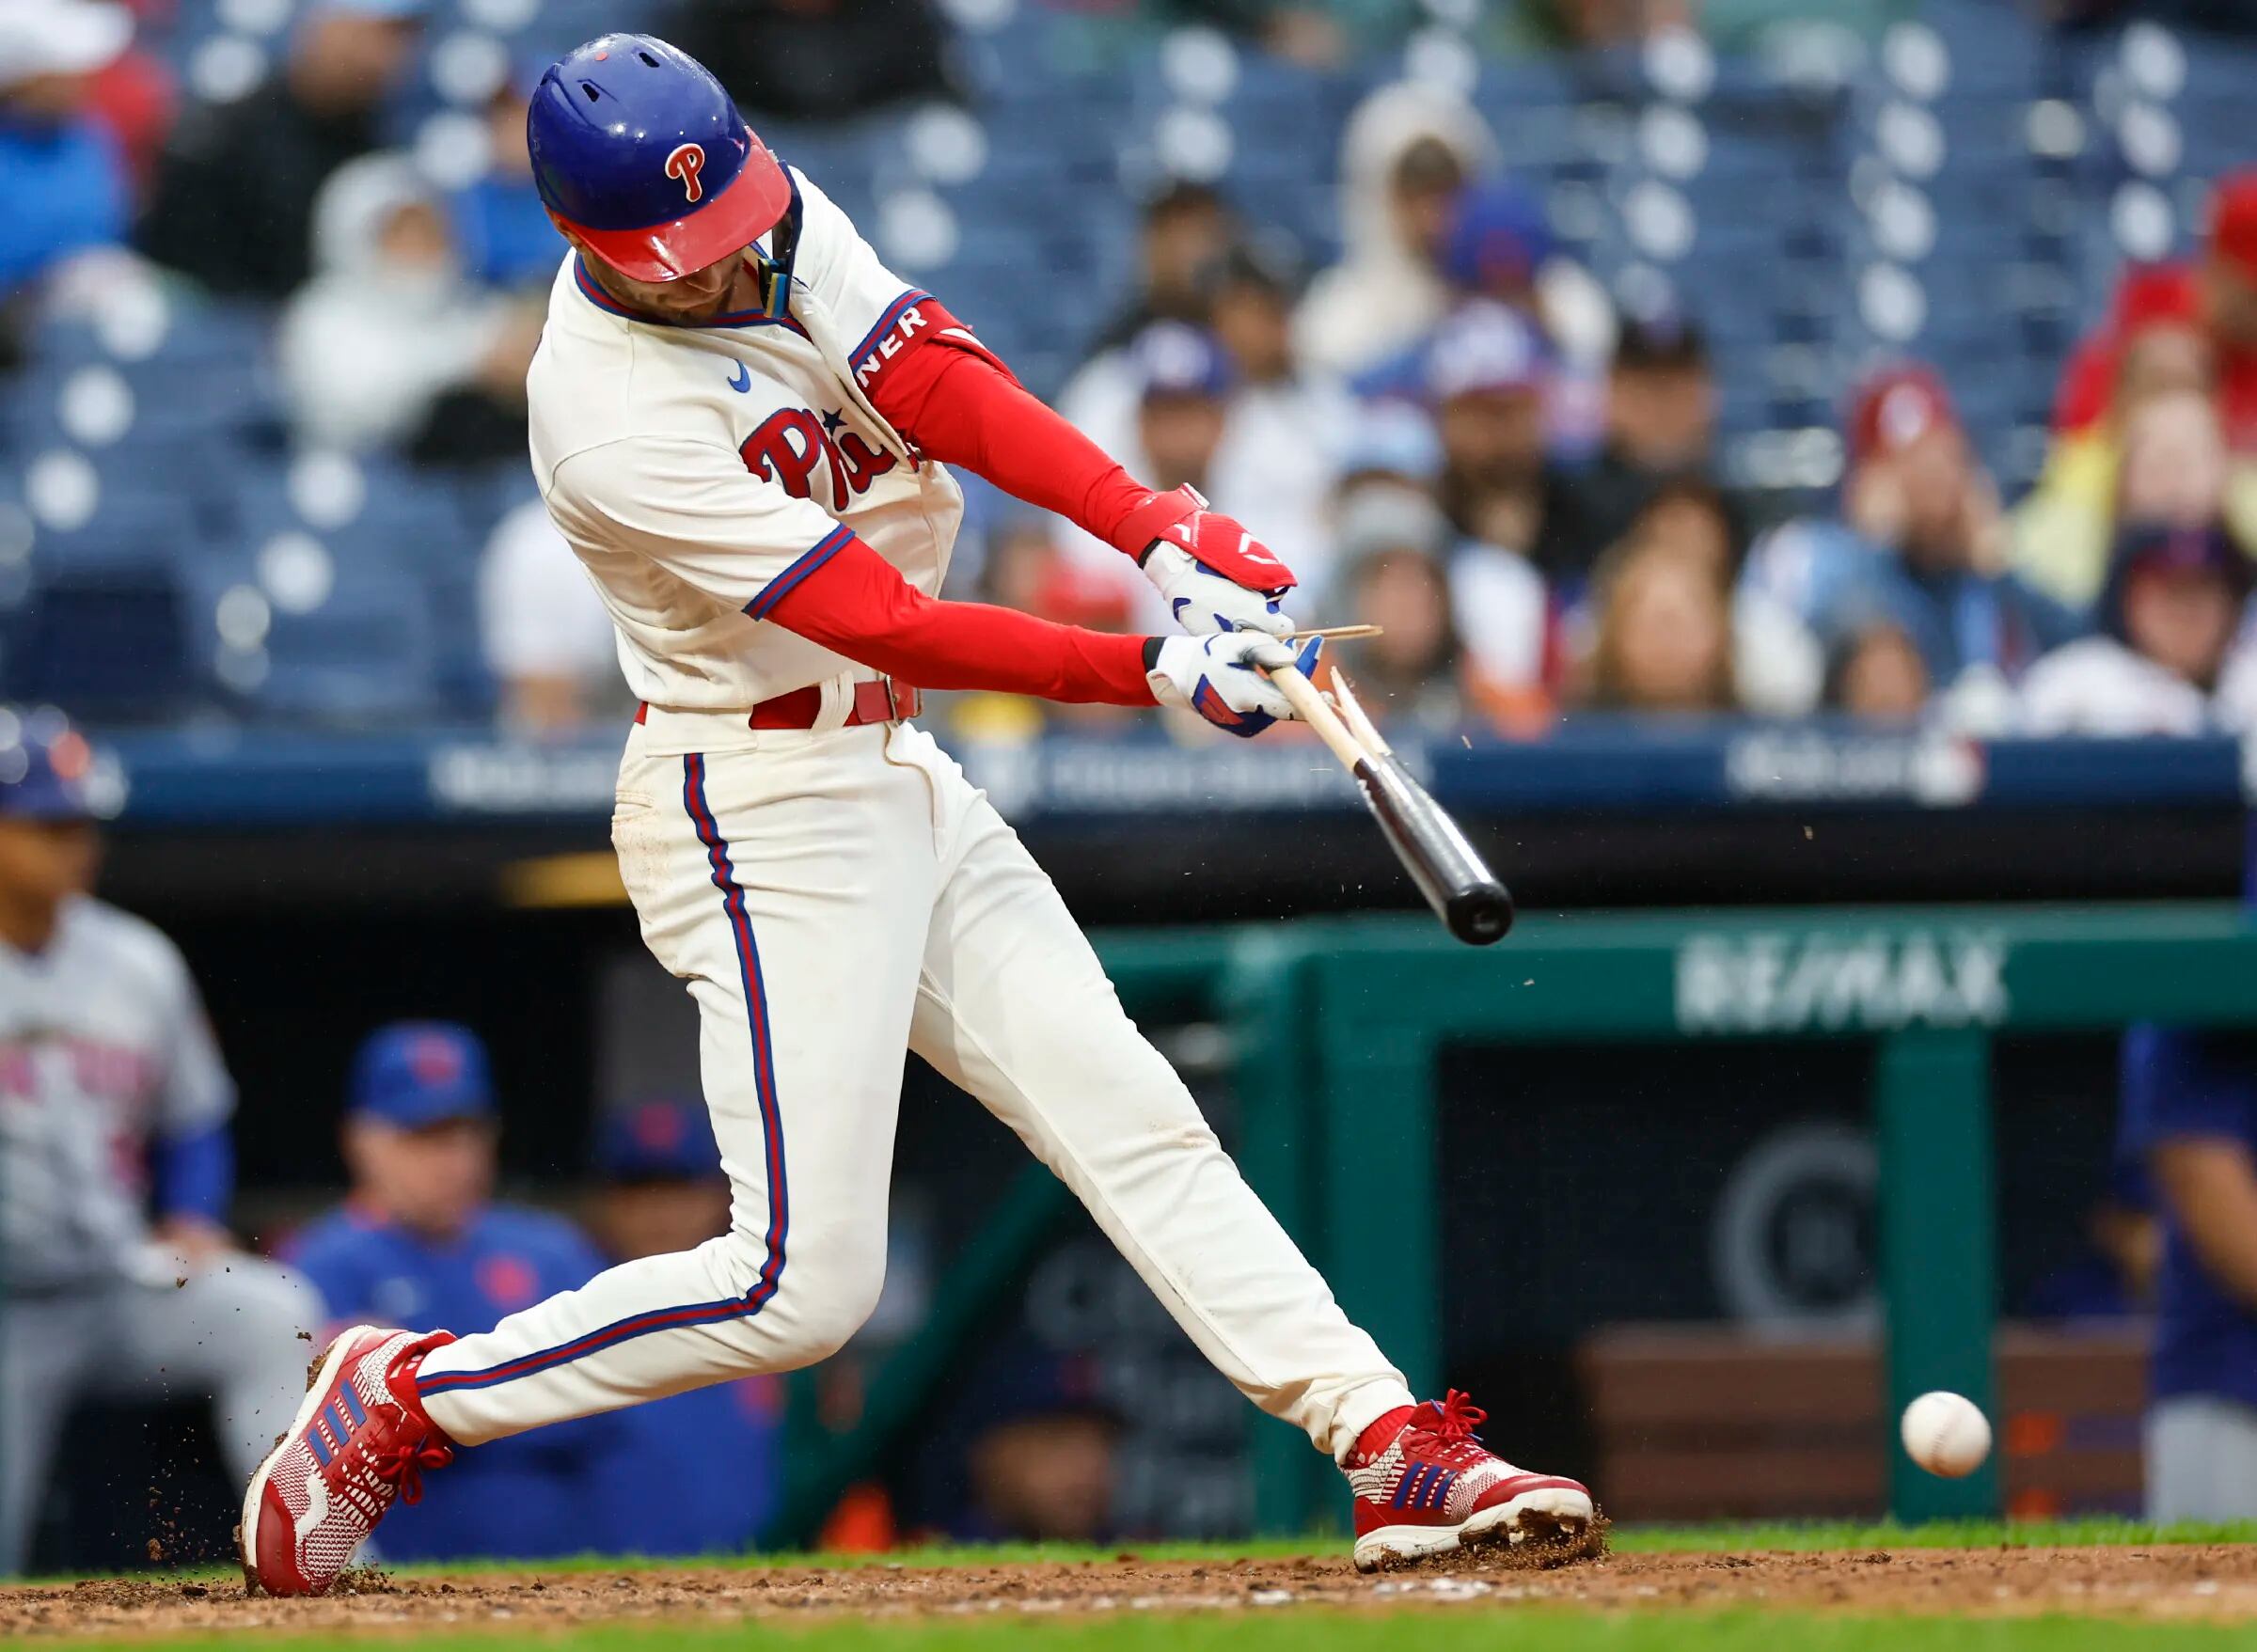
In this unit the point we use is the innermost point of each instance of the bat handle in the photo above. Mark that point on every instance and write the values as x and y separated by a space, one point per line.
1311 708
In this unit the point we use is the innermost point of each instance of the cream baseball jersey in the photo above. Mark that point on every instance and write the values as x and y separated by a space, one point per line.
701 471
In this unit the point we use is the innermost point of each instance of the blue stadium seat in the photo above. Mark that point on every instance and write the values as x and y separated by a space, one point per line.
106 641
365 656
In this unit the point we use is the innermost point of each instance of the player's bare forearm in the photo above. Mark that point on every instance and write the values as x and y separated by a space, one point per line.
2211 1186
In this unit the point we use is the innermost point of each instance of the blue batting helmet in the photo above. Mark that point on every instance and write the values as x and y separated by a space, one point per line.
644 157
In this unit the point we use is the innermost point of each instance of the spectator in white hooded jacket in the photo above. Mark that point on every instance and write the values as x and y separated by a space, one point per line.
389 326
1409 151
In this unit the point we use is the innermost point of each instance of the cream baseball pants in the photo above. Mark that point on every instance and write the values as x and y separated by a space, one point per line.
832 897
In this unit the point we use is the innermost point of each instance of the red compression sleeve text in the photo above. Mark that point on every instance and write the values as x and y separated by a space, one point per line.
962 406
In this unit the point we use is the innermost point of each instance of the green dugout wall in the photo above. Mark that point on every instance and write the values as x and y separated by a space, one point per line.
1337 1027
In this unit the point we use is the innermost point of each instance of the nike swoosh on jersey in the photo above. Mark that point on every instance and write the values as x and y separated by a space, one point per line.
742 383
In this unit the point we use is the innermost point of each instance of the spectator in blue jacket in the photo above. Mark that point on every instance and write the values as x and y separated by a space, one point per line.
61 173
420 1244
2189 1105
1920 543
701 1473
499 223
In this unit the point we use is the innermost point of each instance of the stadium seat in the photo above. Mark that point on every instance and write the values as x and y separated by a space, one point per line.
109 642
363 655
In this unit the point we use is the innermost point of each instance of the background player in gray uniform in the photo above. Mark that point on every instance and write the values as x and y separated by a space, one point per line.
118 1275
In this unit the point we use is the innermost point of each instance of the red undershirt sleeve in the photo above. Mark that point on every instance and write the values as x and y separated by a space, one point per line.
959 404
855 603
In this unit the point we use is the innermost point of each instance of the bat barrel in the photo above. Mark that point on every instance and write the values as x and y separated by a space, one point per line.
1449 871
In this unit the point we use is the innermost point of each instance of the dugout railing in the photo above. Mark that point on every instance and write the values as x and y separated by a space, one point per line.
1337 1026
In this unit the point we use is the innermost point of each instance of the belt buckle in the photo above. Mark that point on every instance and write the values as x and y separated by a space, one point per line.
894 711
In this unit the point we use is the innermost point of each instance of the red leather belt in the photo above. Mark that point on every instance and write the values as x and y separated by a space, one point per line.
878 699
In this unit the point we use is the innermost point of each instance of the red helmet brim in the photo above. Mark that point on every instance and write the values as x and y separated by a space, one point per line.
730 222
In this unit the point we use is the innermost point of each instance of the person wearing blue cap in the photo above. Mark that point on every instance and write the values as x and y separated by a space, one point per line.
1183 388
500 226
233 200
419 1242
117 1272
703 1472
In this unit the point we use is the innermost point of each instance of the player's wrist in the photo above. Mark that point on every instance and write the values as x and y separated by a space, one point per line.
1137 532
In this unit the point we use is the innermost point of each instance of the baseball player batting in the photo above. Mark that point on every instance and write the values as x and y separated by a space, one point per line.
742 422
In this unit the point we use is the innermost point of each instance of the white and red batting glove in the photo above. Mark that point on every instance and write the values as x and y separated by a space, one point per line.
1213 575
1218 677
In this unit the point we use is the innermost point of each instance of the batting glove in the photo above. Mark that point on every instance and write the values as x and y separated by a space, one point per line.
1213 575
1220 677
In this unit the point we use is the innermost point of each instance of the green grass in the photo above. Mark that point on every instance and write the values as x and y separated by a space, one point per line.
2082 1534
1460 1629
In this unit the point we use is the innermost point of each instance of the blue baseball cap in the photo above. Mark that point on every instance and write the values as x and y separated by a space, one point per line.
1175 358
50 771
1485 346
1497 235
1392 437
660 1141
643 155
416 1073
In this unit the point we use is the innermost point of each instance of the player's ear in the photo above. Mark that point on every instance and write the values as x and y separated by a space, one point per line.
352 1144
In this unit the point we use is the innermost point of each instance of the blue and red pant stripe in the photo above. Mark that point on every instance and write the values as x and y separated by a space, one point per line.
771 1120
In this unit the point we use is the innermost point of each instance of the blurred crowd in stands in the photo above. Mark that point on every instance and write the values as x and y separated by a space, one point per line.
1454 432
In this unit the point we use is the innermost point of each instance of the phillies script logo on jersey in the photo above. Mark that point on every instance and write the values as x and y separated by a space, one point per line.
687 163
790 446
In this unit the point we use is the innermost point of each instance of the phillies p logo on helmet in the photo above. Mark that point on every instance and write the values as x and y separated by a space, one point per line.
685 163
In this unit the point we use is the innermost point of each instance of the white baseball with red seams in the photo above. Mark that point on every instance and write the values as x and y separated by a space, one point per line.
1947 1434
832 896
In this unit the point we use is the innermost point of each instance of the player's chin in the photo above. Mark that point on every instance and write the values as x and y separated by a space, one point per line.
693 297
686 306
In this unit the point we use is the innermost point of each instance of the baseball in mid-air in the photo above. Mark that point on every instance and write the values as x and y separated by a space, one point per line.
1947 1434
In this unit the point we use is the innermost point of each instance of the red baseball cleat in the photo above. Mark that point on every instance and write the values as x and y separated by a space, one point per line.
359 1442
1425 1485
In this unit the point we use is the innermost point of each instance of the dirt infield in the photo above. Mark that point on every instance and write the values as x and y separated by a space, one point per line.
2190 1582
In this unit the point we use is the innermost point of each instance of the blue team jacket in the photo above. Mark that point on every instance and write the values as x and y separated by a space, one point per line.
529 1496
695 1475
